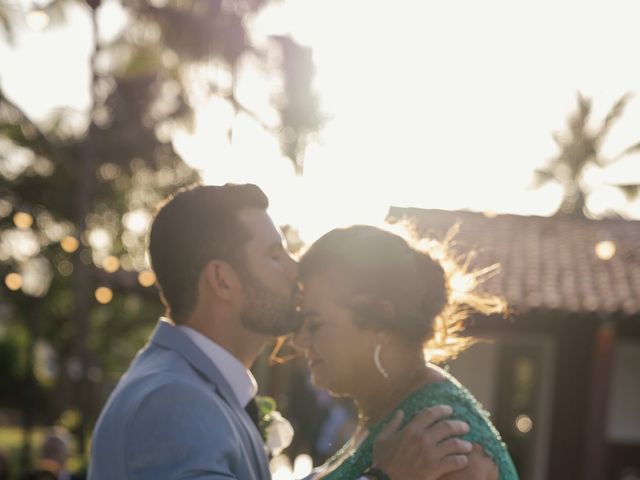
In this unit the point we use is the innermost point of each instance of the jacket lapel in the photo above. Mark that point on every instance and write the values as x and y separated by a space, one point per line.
166 335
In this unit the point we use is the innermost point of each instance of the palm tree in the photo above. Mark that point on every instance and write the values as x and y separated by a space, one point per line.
579 148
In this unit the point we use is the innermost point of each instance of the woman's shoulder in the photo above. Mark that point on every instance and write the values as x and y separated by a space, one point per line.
438 386
446 389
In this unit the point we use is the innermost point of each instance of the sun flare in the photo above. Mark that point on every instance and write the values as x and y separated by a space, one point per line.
418 113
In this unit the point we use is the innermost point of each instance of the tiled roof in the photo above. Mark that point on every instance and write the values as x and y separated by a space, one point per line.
550 263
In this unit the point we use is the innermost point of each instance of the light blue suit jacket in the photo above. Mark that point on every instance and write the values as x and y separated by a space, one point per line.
174 416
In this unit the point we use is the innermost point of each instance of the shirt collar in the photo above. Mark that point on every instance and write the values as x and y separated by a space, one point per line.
239 378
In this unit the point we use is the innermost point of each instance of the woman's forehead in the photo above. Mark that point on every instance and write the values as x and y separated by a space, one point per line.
322 288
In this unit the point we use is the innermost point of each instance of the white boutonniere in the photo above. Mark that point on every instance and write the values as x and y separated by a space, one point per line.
276 430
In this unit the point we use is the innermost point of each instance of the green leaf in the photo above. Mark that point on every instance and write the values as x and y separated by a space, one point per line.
266 405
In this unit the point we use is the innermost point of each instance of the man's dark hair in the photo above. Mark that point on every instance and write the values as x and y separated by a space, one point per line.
194 226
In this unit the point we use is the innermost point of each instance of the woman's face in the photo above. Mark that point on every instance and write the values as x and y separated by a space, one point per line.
339 354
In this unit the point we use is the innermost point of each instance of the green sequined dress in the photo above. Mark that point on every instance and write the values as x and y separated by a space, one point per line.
465 407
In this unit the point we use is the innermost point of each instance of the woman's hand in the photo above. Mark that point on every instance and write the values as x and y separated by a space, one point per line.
425 449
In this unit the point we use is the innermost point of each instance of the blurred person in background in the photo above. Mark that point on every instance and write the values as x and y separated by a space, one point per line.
370 302
54 454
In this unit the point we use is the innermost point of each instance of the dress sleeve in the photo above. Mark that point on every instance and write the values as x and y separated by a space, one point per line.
482 431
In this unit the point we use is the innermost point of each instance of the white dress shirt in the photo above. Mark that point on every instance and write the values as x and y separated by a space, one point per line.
239 378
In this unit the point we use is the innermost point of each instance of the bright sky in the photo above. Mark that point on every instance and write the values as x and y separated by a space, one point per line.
431 104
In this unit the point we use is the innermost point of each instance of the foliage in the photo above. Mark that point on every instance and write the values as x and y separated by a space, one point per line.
97 177
579 147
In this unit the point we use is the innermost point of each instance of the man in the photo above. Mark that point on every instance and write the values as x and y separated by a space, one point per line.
183 409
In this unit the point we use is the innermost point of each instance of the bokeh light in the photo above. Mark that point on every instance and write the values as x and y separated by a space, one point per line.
13 281
99 238
109 171
5 208
605 250
126 262
38 20
104 295
69 244
65 268
22 220
137 220
146 278
36 277
524 424
111 264
21 244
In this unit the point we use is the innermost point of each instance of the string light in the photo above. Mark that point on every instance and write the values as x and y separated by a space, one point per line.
22 220
13 281
104 295
146 278
69 244
111 264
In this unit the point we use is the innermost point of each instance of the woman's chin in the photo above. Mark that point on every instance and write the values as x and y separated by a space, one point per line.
317 380
333 388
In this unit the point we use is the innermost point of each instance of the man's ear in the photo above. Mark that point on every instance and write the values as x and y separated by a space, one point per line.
221 279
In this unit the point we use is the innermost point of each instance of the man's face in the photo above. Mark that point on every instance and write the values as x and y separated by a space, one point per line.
269 277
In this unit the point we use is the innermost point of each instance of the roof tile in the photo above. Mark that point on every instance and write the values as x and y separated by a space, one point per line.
547 262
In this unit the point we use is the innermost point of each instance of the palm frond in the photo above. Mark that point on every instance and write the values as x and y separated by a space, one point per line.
7 16
628 151
614 114
542 177
578 121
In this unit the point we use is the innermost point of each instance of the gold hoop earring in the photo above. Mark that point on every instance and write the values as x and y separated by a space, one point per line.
377 362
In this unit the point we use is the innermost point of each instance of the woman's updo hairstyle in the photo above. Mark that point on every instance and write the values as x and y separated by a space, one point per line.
394 285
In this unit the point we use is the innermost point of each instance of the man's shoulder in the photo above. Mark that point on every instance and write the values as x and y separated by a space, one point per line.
155 378
154 415
161 369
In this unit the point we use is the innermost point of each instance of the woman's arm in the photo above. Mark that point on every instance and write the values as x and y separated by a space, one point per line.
480 467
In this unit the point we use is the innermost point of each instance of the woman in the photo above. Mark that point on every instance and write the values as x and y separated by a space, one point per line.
370 302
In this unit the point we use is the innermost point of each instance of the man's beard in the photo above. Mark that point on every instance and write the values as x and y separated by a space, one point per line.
266 311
